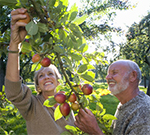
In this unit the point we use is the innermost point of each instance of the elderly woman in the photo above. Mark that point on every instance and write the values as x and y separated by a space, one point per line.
39 118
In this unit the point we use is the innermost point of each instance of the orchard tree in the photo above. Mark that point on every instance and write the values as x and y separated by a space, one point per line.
137 47
55 35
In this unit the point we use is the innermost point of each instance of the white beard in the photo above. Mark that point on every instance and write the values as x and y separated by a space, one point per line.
119 87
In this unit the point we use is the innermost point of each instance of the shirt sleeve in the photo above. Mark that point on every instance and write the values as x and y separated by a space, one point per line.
19 94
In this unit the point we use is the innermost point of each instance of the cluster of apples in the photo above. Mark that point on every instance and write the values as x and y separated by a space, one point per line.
62 99
45 62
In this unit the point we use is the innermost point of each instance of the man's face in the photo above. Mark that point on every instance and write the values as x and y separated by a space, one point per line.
117 78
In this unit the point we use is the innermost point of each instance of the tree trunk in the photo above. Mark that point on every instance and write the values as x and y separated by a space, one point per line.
144 81
2 74
148 89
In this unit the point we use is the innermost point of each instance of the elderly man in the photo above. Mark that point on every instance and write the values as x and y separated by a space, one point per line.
134 108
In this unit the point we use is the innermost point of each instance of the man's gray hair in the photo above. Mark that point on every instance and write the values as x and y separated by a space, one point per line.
134 66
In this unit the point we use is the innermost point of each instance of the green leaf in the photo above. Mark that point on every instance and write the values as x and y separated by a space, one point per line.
89 76
10 107
82 68
76 57
52 3
68 61
84 101
9 3
80 20
35 66
50 102
57 113
32 28
26 47
83 48
73 15
64 2
42 27
76 78
21 3
73 38
99 107
62 34
58 49
71 128
76 30
109 117
90 66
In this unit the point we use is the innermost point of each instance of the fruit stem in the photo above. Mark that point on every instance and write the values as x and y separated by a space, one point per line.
67 79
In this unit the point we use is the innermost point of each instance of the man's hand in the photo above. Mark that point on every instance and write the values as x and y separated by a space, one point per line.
86 121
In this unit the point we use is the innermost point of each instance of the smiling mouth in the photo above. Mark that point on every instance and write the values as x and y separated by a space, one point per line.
48 83
111 82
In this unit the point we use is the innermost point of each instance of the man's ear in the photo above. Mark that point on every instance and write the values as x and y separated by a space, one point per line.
133 76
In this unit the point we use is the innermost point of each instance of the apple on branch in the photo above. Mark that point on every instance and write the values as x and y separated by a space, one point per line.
36 58
72 98
65 109
87 89
45 62
75 106
60 97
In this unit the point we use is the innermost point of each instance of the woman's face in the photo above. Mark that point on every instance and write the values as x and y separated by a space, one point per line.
47 81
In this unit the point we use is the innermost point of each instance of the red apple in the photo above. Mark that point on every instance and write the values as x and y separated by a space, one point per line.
72 98
45 62
60 98
87 89
65 109
36 57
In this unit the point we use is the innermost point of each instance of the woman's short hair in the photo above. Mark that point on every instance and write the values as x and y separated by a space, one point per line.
53 67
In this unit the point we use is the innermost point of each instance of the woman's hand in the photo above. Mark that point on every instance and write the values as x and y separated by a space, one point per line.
18 31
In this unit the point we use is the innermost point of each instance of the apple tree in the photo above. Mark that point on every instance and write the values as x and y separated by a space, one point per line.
55 36
137 47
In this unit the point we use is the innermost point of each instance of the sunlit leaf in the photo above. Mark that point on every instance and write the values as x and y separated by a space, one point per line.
50 102
80 20
35 67
89 76
57 113
71 128
26 47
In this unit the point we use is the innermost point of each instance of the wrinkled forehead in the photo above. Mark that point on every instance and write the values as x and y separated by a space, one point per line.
118 66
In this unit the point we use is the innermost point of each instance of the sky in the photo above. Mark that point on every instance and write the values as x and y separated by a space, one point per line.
126 18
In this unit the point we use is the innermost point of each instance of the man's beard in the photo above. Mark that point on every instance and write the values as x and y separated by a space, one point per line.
119 87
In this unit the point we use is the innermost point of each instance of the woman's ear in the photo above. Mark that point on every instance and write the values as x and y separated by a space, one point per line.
133 76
